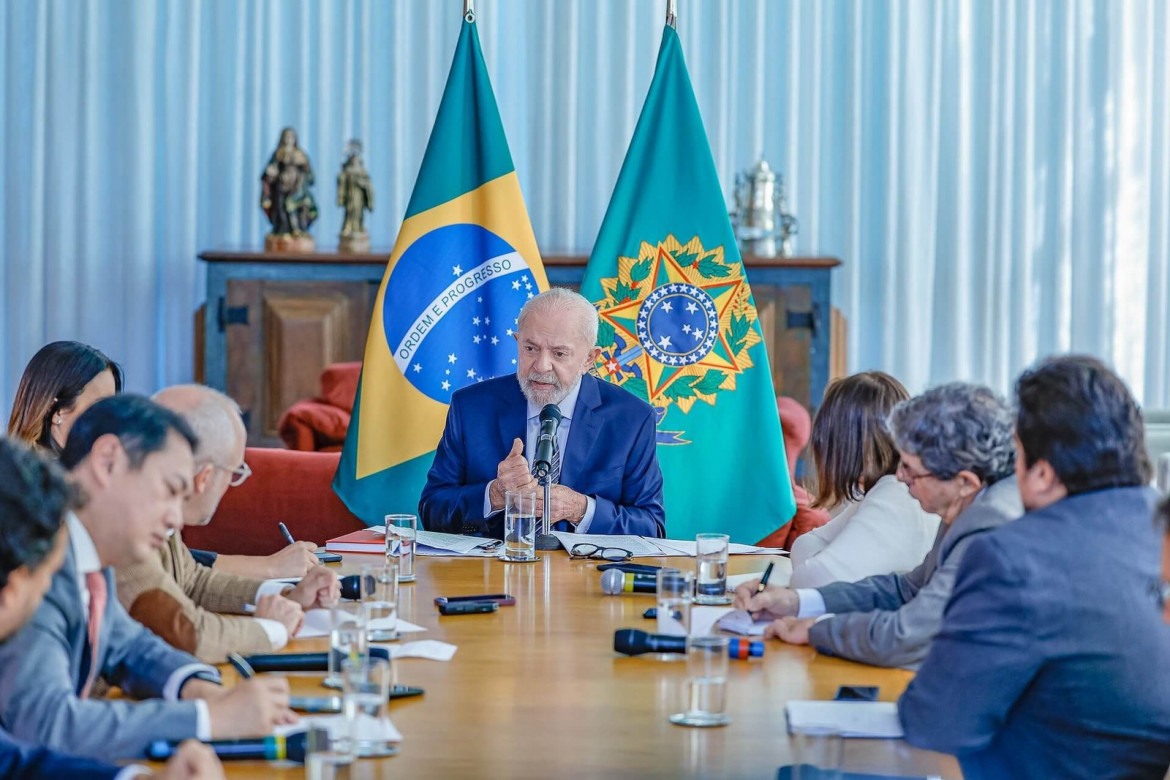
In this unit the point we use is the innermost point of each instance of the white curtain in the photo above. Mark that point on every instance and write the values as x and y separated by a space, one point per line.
995 175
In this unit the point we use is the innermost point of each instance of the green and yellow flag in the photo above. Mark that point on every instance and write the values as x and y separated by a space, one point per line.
679 325
463 266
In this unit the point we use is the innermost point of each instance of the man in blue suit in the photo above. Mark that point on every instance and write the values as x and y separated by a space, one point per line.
1052 655
33 499
605 468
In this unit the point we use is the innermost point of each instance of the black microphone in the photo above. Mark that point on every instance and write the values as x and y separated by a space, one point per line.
615 581
550 419
271 748
300 662
631 641
351 587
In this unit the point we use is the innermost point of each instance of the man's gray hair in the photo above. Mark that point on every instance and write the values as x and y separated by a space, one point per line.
209 413
957 427
562 299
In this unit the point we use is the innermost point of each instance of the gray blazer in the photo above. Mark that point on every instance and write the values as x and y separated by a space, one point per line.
43 668
890 619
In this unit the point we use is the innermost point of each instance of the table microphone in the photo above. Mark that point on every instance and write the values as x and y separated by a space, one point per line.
271 748
631 641
550 419
351 587
616 581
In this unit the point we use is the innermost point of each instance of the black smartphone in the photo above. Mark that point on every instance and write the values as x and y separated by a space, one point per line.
468 608
856 693
503 599
328 557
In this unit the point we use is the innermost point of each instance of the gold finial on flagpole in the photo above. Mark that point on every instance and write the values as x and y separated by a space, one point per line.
671 12
469 11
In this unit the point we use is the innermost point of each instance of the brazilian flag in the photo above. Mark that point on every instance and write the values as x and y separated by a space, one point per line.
679 325
464 264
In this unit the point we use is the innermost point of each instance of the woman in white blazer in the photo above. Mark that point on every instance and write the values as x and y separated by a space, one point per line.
878 527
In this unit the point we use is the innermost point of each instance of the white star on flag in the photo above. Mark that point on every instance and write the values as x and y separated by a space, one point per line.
495 341
516 285
451 358
666 306
457 270
509 331
698 334
691 307
477 338
446 385
475 320
417 368
664 342
471 373
686 328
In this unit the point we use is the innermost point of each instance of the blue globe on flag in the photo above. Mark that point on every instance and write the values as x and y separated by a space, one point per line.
451 307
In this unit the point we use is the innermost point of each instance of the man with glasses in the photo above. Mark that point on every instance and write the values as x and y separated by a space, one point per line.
196 608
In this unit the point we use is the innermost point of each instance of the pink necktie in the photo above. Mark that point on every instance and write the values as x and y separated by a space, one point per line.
98 593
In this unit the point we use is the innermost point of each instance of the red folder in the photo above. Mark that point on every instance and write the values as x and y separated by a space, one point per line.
363 541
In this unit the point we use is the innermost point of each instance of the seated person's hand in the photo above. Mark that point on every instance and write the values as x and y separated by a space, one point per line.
284 611
567 504
513 473
792 630
319 588
772 603
292 561
193 761
253 708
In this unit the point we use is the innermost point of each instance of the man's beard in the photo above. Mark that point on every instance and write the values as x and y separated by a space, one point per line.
541 397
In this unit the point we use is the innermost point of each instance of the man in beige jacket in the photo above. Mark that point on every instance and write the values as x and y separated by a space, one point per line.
196 608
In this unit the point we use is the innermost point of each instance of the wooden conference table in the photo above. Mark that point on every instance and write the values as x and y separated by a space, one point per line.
535 690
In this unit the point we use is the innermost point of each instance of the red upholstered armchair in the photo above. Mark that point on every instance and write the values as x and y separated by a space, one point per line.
286 486
797 427
319 424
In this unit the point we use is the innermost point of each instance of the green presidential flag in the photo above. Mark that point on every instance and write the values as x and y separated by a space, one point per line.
678 324
464 264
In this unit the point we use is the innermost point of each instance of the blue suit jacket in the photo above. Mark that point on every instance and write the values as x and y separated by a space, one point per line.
24 762
611 455
43 667
1052 658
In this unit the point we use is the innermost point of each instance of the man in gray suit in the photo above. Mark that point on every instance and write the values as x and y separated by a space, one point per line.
1052 656
132 461
957 458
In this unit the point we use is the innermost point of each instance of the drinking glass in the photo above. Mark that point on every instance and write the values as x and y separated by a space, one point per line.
347 638
711 561
675 591
366 705
401 535
324 753
817 753
705 689
380 601
519 526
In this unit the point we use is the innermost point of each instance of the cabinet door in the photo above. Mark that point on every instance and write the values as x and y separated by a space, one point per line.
786 314
282 335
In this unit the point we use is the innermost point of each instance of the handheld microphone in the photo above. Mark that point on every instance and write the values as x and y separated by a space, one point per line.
615 581
550 419
271 748
631 641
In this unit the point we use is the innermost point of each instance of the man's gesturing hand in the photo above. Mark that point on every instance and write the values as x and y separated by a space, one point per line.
512 474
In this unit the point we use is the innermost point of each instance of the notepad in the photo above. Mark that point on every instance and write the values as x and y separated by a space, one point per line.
864 719
318 622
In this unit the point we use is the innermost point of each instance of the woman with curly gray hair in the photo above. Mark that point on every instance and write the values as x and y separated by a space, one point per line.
957 456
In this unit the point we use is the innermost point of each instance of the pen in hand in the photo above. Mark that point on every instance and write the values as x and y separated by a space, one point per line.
289 537
764 580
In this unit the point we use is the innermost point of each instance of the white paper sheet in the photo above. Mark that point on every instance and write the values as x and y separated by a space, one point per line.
703 619
318 622
739 622
430 649
689 548
336 725
781 575
873 719
640 546
437 544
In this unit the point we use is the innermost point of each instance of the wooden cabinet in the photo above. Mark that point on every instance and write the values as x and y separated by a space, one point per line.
272 322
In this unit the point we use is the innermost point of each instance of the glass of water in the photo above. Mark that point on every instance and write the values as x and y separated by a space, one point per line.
817 753
380 601
705 689
676 590
347 638
365 705
711 582
519 526
401 534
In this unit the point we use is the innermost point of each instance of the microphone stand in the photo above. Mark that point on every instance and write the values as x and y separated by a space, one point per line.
545 540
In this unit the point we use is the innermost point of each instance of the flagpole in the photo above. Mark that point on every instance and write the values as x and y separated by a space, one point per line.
469 11
671 12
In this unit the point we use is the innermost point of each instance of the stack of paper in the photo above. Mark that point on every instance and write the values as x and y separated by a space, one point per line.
873 719
740 622
318 622
650 547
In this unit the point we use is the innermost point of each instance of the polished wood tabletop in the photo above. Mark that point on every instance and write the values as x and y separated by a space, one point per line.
536 690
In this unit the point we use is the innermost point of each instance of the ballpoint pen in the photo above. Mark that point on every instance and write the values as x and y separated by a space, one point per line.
764 580
284 532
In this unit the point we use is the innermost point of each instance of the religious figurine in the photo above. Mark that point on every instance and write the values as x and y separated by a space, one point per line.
285 197
356 195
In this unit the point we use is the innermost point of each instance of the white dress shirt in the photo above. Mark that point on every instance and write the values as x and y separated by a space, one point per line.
85 557
532 435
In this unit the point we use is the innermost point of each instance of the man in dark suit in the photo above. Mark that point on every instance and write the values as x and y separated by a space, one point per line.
606 467
33 499
1052 655
131 460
